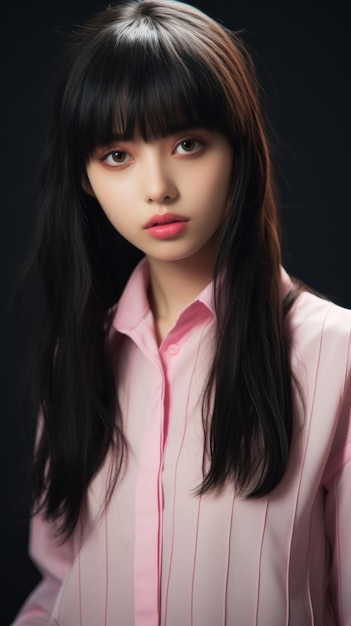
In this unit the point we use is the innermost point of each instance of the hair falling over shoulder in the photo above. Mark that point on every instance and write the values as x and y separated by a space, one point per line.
154 67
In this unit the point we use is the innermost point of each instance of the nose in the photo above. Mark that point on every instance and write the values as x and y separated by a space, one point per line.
159 181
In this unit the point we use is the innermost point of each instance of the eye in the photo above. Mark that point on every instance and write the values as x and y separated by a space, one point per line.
188 146
116 158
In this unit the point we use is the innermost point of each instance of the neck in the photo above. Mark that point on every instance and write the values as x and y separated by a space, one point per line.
173 285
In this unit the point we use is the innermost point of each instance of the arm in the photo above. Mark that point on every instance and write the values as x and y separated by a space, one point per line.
54 561
338 516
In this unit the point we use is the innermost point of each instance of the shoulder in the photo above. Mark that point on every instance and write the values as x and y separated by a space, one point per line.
321 346
313 314
321 354
314 317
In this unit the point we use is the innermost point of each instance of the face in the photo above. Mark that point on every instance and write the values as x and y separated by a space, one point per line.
167 197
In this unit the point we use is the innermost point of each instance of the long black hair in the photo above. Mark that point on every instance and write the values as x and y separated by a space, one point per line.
154 67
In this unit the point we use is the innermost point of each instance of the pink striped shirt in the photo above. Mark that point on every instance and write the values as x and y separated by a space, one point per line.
161 556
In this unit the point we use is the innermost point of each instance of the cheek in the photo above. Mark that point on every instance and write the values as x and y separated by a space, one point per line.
216 189
111 199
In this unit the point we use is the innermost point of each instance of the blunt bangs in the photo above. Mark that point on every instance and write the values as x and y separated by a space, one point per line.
146 85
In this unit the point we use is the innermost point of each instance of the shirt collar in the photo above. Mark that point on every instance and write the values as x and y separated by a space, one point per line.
286 283
133 306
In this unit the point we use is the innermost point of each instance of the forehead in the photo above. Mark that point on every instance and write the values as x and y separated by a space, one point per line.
131 92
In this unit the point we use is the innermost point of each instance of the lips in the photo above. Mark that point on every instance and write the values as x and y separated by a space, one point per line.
166 226
165 218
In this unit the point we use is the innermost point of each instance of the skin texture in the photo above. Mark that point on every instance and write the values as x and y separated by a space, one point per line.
188 175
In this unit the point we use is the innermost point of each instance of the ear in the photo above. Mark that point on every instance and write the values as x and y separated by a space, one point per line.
87 186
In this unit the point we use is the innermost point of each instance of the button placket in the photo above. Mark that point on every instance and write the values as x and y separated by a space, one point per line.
173 348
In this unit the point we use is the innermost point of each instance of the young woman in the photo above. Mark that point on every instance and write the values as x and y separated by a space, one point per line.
192 464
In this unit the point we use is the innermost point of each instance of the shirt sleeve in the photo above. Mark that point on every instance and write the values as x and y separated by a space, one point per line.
53 560
338 528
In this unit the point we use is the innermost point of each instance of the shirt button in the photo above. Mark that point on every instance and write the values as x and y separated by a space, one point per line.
172 348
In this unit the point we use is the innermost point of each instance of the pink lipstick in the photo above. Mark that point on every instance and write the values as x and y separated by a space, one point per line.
166 226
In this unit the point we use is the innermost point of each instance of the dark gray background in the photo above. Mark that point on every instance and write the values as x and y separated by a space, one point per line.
303 59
